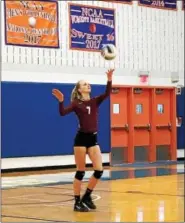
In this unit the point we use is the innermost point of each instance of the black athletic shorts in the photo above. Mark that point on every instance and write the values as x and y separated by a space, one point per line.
86 139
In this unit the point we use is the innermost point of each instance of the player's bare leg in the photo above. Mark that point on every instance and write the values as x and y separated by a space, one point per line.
96 158
80 154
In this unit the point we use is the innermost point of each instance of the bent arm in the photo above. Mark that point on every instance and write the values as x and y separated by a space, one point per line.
64 111
102 97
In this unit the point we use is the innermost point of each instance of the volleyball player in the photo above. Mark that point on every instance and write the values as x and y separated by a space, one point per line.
86 109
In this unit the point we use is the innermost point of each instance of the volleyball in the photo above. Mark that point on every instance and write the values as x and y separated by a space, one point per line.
32 22
108 52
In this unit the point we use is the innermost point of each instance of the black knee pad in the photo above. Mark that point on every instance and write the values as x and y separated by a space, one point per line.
79 175
97 174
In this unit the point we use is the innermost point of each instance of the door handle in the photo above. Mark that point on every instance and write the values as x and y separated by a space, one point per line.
168 126
147 127
125 127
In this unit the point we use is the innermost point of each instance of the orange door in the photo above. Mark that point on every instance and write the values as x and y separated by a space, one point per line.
165 122
142 123
119 122
162 116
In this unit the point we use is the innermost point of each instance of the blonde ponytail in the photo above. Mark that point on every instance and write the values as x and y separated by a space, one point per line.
75 94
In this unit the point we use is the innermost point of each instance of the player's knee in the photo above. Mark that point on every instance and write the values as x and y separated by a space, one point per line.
98 173
79 175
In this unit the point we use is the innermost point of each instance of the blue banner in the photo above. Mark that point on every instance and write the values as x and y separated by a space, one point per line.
91 27
165 4
119 1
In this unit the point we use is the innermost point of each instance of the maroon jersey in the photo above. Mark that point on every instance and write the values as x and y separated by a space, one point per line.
86 111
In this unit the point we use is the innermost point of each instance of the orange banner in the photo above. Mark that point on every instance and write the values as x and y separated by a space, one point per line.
31 23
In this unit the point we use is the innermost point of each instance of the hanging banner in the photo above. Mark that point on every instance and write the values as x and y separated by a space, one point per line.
163 4
119 1
31 23
91 27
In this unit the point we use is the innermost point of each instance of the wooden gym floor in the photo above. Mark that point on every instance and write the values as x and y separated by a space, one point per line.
123 195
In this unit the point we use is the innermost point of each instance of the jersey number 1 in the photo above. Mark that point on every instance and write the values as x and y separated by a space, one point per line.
89 110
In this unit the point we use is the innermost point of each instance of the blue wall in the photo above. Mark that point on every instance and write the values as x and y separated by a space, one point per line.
180 113
32 126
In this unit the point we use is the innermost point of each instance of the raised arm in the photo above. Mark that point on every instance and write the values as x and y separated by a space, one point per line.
64 111
102 97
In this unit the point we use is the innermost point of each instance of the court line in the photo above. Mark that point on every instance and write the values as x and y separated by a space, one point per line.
31 218
125 192
47 204
25 195
42 201
30 195
69 203
145 193
67 194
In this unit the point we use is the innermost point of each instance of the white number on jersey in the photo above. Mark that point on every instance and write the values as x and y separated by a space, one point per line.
89 109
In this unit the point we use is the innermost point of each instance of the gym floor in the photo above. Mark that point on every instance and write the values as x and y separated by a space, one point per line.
125 194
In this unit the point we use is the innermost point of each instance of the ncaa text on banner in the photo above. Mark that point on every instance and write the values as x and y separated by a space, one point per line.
43 32
91 27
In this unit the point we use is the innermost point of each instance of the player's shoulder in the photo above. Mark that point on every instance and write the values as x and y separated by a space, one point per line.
74 103
93 98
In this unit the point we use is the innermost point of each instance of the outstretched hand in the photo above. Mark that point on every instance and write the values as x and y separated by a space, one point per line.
109 74
58 94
